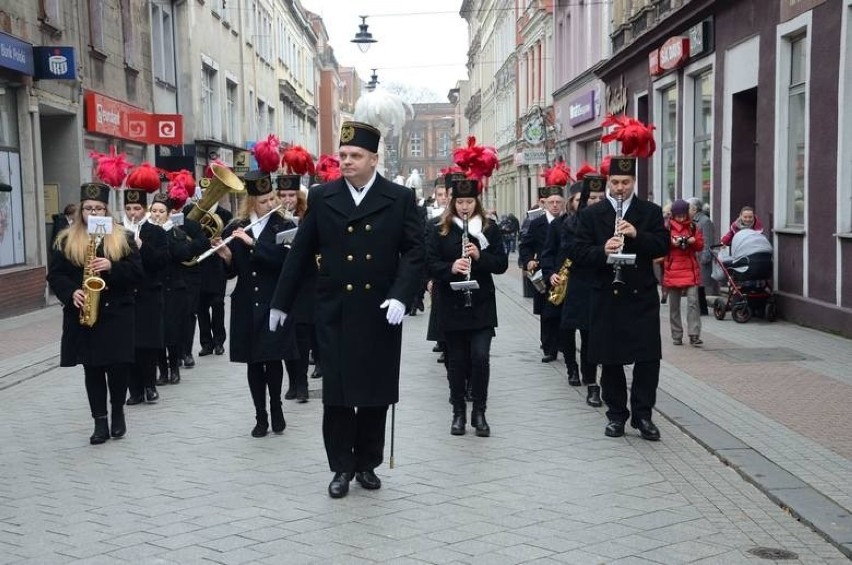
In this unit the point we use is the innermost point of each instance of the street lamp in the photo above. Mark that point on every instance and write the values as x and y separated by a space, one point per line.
374 81
363 39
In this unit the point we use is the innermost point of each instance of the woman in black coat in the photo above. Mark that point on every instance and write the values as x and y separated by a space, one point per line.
256 259
467 321
106 349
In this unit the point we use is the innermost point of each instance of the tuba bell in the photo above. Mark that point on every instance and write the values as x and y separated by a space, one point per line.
224 181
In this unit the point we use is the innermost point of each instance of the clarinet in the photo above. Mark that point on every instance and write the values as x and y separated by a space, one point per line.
619 212
468 294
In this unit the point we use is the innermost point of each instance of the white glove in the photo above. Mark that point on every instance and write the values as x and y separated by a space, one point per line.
396 310
276 319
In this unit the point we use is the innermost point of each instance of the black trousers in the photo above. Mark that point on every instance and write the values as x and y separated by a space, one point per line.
143 372
211 319
588 370
643 391
297 369
98 380
702 301
354 437
552 337
468 358
262 376
188 332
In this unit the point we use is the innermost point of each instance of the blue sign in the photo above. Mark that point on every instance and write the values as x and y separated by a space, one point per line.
16 54
53 62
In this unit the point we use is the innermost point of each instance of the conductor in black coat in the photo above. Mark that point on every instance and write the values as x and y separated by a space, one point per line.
625 318
370 238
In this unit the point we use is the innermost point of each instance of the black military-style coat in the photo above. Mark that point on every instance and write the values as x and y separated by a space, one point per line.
370 253
176 306
209 276
110 341
432 331
531 247
625 318
453 315
575 307
150 303
257 269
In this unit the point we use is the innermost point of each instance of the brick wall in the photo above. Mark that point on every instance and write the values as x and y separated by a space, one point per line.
22 290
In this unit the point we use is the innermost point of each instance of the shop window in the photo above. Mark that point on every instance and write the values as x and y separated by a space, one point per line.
668 132
11 201
702 144
796 149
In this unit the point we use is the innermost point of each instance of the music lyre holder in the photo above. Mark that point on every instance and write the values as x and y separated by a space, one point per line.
464 285
621 259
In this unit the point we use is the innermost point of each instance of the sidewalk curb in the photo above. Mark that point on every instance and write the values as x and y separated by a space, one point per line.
29 372
805 503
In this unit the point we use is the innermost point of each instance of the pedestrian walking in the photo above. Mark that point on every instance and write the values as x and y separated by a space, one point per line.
682 274
369 236
708 284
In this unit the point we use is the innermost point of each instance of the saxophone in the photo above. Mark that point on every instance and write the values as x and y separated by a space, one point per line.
557 293
92 286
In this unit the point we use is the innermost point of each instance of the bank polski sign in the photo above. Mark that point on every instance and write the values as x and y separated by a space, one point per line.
16 54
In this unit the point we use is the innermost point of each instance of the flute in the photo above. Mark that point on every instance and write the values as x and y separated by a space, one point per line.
230 238
468 295
616 268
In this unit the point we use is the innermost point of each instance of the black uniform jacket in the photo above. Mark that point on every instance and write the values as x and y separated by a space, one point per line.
432 331
453 315
176 310
150 329
257 269
575 307
625 318
369 253
208 276
111 340
531 247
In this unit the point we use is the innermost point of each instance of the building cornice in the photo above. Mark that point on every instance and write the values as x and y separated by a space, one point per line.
586 76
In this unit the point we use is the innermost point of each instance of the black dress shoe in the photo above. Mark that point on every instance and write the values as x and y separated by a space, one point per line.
574 375
163 379
135 399
339 485
101 433
188 361
290 394
614 429
457 428
219 350
442 358
119 426
317 374
276 415
205 351
261 427
174 375
593 396
368 480
302 394
647 429
437 348
151 395
548 357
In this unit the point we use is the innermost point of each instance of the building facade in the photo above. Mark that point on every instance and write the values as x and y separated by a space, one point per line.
425 144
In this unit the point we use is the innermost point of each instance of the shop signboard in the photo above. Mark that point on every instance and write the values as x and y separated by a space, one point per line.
107 116
582 109
674 52
54 63
16 54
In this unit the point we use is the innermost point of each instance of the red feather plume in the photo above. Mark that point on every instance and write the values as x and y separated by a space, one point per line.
557 175
181 185
585 169
477 161
267 153
146 177
605 165
451 169
636 138
298 161
112 168
328 168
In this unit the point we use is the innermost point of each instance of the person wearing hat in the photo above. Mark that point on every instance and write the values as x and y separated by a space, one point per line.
682 273
587 191
369 235
625 317
106 349
150 330
529 252
466 319
255 259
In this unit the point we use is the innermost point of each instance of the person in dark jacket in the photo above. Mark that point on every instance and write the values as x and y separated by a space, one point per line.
149 327
370 238
211 300
467 319
255 259
625 318
105 349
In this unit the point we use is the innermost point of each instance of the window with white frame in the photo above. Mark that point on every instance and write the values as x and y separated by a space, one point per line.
796 150
668 133
415 144
231 133
260 118
162 43
444 144
702 133
50 14
208 101
132 51
96 26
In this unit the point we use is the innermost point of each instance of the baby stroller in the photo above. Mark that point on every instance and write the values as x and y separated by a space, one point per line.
748 270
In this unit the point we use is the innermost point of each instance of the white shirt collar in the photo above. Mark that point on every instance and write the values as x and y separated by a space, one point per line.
357 195
550 217
257 229
624 205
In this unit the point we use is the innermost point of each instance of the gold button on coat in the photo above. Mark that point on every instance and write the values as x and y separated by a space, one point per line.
350 229
349 287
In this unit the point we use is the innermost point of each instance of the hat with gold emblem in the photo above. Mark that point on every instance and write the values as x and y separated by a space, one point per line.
95 191
257 183
288 182
360 135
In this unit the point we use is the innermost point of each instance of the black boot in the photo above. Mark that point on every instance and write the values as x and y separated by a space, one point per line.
302 393
276 413
119 426
573 375
291 388
593 396
101 433
457 428
174 375
262 425
163 378
477 420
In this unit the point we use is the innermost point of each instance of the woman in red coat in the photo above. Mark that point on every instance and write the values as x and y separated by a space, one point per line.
682 273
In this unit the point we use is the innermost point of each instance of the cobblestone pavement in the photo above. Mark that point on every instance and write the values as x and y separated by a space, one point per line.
189 485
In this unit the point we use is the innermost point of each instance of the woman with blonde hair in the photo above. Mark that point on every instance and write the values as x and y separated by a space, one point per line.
105 348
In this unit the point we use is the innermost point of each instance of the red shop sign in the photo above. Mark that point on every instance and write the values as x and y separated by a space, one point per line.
654 62
674 52
112 117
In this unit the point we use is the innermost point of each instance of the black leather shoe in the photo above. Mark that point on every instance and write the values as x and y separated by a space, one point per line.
119 426
548 357
437 348
151 395
302 394
261 427
189 361
174 375
219 350
135 399
276 415
101 433
339 485
163 379
205 351
593 396
479 423
614 429
574 375
647 429
457 428
442 358
290 394
317 374
368 480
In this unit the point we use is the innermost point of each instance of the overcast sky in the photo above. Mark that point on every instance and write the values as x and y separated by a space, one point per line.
418 43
